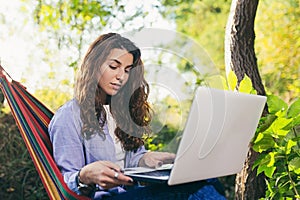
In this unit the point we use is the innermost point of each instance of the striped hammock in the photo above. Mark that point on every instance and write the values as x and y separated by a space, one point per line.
32 118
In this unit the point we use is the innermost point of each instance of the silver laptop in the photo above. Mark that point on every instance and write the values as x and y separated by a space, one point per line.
215 139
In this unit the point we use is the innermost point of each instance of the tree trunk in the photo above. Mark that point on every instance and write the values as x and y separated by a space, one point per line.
240 57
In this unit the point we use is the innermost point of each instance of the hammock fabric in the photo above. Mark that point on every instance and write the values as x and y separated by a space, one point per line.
32 118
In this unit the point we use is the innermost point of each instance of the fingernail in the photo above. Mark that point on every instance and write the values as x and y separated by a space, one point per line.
159 164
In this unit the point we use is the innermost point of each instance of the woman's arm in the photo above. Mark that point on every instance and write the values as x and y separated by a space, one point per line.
64 130
132 158
70 155
156 159
144 158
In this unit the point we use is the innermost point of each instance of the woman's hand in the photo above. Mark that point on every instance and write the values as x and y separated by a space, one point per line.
104 173
156 159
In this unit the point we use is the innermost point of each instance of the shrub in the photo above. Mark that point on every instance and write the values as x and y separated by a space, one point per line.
18 176
277 141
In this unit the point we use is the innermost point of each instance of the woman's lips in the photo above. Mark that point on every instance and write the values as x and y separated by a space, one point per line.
116 86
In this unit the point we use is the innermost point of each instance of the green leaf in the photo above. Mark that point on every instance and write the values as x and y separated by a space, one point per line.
232 80
259 137
276 104
289 146
269 171
263 142
294 165
266 123
246 85
260 169
278 126
253 92
294 109
281 178
258 162
272 159
296 121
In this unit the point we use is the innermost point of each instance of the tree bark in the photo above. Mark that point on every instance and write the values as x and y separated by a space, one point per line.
240 57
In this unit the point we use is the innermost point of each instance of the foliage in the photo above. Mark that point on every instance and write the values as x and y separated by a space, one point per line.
204 21
72 23
18 177
69 22
52 98
277 42
167 124
277 31
231 83
277 142
277 45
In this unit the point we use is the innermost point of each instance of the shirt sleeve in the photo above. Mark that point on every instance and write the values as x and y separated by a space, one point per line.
68 149
133 158
64 131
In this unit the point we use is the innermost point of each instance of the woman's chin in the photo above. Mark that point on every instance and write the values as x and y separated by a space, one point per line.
113 92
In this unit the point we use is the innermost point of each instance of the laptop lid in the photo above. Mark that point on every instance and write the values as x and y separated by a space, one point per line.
215 140
218 131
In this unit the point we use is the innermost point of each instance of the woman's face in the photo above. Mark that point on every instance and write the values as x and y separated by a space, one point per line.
114 72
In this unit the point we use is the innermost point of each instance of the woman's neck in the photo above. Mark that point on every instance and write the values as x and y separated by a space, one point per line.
107 100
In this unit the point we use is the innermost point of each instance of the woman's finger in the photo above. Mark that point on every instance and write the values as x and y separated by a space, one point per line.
167 156
116 178
113 166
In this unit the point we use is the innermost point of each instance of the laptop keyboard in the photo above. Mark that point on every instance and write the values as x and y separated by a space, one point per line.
165 172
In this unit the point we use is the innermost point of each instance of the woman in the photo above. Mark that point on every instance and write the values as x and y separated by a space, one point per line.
100 131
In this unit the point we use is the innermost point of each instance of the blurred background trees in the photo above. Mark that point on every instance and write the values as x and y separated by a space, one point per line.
277 37
278 46
72 24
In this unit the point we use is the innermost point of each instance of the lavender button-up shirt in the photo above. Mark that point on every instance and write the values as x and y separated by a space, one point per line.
71 152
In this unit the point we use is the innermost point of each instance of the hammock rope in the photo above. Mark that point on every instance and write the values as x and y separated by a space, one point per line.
32 118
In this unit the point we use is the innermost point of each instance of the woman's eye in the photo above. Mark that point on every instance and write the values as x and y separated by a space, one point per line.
112 67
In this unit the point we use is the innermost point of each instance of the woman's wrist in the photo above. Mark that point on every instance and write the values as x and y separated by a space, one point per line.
79 181
85 189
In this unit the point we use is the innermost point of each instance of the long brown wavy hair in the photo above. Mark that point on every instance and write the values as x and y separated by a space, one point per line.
129 106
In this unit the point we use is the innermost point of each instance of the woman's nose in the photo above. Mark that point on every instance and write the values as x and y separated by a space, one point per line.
120 74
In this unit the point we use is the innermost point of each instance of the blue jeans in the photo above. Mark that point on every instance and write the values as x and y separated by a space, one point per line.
200 190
